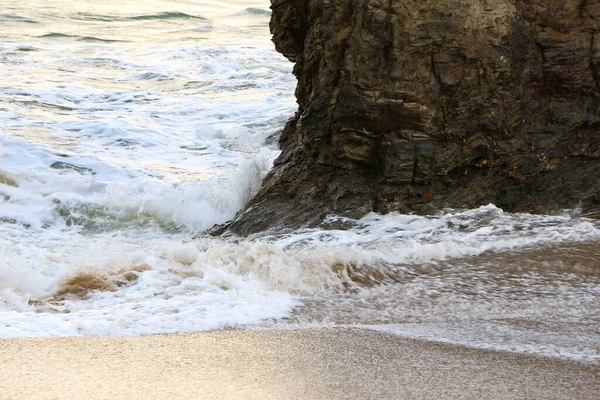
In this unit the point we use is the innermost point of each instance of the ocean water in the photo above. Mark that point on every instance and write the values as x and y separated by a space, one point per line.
129 128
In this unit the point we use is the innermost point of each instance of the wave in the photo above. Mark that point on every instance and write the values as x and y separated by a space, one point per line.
147 17
82 16
140 280
378 249
166 15
95 39
92 194
27 48
18 18
256 11
151 76
58 35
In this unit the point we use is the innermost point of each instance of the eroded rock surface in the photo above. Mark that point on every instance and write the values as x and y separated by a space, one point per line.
414 105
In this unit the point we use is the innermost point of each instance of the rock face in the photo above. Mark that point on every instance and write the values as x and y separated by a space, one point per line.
414 105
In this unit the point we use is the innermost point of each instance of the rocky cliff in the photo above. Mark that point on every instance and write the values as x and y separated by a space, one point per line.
414 105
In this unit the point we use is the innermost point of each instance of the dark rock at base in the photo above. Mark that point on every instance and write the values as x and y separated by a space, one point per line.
415 105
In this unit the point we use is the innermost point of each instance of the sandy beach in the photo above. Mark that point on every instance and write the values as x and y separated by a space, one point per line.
279 364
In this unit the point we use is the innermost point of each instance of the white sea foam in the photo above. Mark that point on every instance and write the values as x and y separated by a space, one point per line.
248 281
114 152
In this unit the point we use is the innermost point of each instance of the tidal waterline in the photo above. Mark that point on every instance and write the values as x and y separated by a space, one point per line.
129 128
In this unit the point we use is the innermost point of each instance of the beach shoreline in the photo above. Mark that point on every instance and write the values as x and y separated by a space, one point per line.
324 363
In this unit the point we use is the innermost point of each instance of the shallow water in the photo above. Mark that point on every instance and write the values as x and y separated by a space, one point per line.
129 128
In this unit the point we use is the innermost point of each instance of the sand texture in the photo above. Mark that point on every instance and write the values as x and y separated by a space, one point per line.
279 364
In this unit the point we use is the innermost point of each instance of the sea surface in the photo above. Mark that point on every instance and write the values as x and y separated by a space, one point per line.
129 128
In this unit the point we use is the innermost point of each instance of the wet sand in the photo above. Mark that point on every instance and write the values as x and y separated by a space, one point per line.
280 364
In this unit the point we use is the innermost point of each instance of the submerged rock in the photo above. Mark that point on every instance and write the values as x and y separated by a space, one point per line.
415 105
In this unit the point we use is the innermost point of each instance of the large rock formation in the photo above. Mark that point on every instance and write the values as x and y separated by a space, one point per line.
414 105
